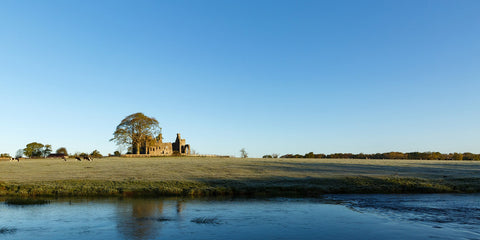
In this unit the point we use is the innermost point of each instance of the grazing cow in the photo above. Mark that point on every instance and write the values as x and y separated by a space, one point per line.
15 159
88 158
78 159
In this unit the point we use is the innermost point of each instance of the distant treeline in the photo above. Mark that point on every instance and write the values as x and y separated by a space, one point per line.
389 155
39 150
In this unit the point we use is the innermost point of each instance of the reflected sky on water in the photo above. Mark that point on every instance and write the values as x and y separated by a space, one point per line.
334 217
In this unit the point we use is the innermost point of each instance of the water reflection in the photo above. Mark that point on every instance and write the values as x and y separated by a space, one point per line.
142 219
180 207
376 217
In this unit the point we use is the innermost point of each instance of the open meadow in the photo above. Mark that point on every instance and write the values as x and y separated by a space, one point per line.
201 176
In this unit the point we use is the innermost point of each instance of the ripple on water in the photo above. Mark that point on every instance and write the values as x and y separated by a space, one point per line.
373 217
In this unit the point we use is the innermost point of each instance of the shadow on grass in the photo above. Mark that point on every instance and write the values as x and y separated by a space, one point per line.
416 169
314 187
264 187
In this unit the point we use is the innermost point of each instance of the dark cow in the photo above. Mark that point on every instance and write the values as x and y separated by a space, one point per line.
78 158
88 158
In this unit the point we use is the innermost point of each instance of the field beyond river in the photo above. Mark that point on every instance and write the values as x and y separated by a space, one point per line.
200 176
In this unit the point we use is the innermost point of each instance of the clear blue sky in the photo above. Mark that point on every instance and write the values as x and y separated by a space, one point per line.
269 76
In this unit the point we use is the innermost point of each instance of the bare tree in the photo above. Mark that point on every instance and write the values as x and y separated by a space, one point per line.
193 152
19 153
243 153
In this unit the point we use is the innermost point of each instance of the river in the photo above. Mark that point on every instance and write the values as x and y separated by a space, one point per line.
415 216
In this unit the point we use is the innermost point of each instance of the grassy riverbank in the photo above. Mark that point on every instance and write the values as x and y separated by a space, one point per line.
231 176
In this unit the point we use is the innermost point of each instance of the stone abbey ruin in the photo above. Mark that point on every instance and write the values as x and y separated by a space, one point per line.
156 147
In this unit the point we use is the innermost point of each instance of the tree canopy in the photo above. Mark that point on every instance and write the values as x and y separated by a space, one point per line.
96 154
135 131
62 150
33 149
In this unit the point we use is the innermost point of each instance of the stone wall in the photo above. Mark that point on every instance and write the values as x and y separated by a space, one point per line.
161 149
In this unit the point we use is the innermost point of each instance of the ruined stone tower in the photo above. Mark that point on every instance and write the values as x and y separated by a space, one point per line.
180 146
